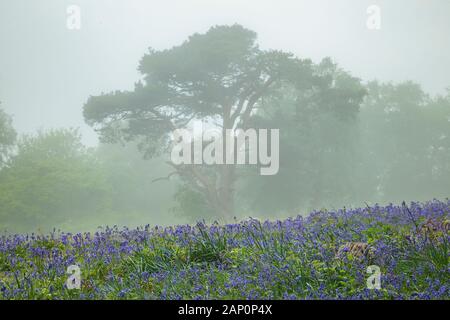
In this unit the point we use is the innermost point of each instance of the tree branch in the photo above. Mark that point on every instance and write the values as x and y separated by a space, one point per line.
165 178
253 99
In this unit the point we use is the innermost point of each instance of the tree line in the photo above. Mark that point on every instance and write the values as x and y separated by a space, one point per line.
343 142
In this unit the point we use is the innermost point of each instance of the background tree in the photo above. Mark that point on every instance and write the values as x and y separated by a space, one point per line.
319 145
407 142
219 77
52 180
135 198
7 137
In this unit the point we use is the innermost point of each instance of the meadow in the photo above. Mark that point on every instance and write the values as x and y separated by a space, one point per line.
324 255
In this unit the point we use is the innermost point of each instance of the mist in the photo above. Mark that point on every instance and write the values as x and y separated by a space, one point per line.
386 141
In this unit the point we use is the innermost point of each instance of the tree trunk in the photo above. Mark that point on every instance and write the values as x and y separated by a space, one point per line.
226 191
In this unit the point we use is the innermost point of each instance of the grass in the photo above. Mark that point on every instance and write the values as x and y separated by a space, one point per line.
296 258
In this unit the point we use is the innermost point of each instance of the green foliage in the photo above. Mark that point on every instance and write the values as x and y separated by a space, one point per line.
395 146
190 203
318 145
50 180
7 137
406 136
156 259
208 248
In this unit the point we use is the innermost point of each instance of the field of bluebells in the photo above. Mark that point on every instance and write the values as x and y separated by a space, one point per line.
298 258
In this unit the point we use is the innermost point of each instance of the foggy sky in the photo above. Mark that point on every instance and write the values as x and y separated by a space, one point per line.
47 72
